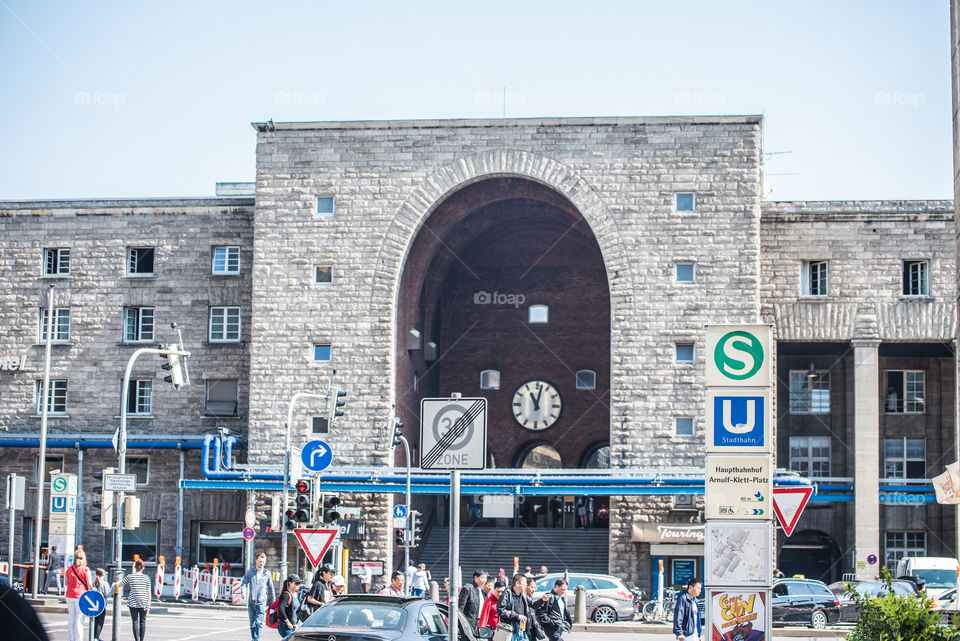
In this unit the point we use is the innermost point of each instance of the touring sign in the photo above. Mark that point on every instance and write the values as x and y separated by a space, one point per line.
738 355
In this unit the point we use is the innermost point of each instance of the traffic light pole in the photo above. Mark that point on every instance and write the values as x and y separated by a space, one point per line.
45 401
286 478
406 539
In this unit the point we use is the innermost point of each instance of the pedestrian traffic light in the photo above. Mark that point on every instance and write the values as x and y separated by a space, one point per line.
335 405
400 535
104 503
330 512
290 520
175 363
416 527
304 502
397 431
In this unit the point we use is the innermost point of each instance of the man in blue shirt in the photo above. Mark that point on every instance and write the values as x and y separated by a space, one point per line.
686 616
260 594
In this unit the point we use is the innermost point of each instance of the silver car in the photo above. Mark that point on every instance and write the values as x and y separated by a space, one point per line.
608 600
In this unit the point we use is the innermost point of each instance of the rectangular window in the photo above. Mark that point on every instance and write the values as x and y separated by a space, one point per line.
139 261
685 272
139 396
51 462
321 353
685 201
142 541
223 541
905 392
224 324
323 274
320 424
904 458
916 278
684 352
221 398
56 261
137 324
901 544
814 278
61 325
139 465
325 205
57 399
226 260
810 456
809 394
683 426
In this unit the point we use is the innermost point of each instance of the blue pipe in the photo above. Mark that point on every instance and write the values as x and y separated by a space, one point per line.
136 445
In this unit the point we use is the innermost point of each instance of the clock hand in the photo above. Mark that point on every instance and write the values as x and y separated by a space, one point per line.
539 394
536 403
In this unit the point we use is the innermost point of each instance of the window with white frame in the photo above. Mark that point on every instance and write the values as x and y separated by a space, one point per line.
490 379
685 272
322 352
916 278
56 399
221 397
813 280
685 201
904 458
683 426
225 260
323 274
810 456
139 261
684 352
137 324
56 261
224 324
905 392
586 379
901 544
61 325
139 396
809 392
538 314
325 205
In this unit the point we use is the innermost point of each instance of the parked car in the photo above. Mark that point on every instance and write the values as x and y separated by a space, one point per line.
849 613
804 601
938 572
608 599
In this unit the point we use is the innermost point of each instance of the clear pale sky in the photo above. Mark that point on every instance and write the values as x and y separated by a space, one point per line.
138 99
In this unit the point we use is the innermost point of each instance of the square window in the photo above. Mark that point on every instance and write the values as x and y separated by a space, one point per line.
538 314
323 274
810 456
139 396
490 379
320 424
683 426
142 541
905 392
321 353
221 398
51 462
137 324
809 394
139 465
224 324
685 201
586 379
904 458
685 272
56 399
61 325
814 278
220 541
56 262
684 352
226 260
916 278
325 205
139 261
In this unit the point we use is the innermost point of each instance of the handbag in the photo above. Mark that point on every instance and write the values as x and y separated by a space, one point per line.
504 632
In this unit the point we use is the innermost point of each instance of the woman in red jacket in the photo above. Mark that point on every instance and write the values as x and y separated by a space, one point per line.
78 582
488 613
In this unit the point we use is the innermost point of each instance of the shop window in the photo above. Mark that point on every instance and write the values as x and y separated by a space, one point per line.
221 541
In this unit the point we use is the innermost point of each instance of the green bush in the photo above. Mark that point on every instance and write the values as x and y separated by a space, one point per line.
893 617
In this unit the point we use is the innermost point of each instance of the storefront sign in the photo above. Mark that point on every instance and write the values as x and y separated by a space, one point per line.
738 615
13 363
666 533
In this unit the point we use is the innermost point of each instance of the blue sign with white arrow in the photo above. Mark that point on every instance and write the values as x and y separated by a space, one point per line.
92 603
399 511
316 456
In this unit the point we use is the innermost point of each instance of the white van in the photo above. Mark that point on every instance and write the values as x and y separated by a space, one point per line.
940 572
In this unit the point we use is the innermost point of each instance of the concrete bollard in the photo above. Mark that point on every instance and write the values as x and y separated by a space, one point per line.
580 607
434 591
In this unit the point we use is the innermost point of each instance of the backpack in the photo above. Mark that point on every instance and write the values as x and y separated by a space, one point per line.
273 612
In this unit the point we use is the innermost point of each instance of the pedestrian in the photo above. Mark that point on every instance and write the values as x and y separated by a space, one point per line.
556 511
513 608
54 563
471 597
321 592
102 585
582 513
686 615
528 570
488 614
446 588
396 585
138 598
338 585
366 578
289 604
534 629
553 613
78 582
260 594
488 587
408 575
421 579
20 620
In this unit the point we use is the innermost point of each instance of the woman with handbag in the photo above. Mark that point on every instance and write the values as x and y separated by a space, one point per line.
513 611
78 582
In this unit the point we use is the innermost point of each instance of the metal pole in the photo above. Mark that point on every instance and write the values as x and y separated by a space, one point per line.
249 544
180 505
454 553
406 543
41 474
78 517
11 483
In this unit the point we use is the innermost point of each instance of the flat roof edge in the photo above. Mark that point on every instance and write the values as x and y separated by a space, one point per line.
109 203
504 122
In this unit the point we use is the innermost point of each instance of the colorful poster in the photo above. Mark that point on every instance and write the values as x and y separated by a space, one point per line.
737 615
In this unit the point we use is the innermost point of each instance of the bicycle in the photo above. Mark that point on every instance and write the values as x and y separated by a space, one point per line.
660 610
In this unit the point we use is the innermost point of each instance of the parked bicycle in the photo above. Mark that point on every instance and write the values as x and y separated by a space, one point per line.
660 610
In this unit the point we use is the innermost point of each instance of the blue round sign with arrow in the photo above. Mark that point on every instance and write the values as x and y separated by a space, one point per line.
92 603
316 456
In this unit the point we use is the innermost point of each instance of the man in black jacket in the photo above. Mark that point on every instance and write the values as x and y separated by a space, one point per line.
512 607
534 629
554 616
471 597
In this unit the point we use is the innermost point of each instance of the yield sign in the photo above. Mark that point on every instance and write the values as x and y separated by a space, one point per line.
788 503
315 543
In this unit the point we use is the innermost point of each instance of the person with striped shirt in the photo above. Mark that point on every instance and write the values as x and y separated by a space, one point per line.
138 598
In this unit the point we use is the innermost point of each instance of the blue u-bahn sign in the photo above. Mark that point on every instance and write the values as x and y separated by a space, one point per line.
738 420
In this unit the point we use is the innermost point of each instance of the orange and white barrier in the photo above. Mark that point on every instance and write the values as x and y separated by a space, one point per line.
195 592
158 583
237 596
4 567
176 579
215 581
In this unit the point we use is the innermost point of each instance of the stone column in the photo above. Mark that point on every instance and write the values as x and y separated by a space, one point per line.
866 452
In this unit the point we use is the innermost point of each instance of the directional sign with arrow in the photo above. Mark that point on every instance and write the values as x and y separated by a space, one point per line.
738 486
788 503
316 456
316 542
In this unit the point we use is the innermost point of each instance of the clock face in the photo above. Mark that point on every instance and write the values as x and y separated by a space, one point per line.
536 405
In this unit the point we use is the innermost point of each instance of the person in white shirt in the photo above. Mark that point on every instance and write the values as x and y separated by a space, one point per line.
366 578
421 579
408 575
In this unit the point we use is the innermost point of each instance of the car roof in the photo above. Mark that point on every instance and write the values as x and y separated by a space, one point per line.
377 598
551 575
787 578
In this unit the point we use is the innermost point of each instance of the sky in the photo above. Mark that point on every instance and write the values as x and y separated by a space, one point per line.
133 99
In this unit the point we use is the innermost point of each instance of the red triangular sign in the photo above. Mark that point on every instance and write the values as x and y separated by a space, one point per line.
315 543
788 503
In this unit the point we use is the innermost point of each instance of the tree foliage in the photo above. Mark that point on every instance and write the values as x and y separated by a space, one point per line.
894 617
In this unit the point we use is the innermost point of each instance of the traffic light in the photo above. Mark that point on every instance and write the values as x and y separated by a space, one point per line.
400 535
397 431
330 512
175 364
304 502
416 527
290 520
105 516
131 512
335 405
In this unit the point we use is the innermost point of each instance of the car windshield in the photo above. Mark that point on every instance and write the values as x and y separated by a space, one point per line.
368 616
938 578
871 588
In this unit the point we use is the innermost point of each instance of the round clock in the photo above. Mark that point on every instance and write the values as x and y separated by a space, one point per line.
536 405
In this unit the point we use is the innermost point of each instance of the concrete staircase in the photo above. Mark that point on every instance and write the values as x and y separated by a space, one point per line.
490 549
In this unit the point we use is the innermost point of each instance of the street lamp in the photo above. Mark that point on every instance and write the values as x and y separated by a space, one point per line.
398 438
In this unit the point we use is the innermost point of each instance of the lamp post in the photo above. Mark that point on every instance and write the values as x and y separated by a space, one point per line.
406 540
41 475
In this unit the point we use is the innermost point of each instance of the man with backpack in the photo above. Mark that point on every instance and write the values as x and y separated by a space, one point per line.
260 594
321 592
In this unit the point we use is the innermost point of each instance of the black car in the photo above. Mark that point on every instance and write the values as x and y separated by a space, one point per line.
804 601
365 617
849 613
